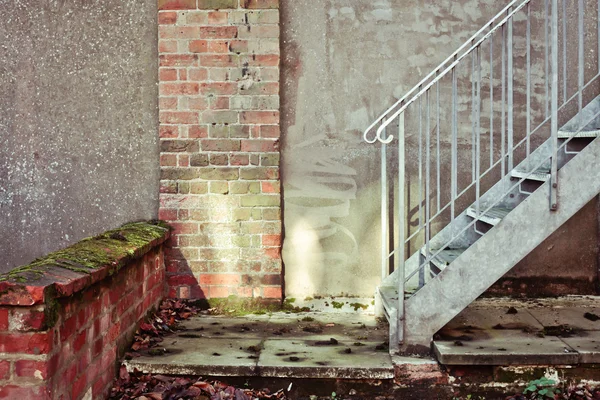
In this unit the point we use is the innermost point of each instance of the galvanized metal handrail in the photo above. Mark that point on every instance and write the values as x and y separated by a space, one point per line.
413 112
434 74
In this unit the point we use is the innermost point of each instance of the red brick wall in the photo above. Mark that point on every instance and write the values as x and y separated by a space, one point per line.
219 130
77 355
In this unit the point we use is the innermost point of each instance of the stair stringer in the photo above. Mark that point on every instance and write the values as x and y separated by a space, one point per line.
500 249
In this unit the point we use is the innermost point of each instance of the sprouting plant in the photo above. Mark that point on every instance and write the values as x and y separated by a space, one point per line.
542 388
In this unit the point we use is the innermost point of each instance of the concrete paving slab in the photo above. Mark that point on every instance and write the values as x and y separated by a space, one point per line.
587 345
571 316
319 357
487 318
352 326
204 356
223 327
506 347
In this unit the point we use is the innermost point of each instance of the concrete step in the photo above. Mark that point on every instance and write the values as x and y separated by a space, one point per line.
307 345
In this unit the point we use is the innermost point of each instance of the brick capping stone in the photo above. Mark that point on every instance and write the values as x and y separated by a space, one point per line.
71 270
66 319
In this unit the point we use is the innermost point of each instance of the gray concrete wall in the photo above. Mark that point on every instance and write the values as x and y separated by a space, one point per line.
344 62
78 121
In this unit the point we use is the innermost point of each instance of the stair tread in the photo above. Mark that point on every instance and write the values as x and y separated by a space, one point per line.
493 216
582 134
540 174
444 257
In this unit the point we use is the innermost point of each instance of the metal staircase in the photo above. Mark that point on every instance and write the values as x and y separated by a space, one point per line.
480 173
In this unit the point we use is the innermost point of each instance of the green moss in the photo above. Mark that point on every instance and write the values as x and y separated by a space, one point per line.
236 306
337 304
114 246
356 306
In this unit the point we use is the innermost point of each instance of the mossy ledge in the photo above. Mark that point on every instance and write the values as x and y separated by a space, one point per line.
90 259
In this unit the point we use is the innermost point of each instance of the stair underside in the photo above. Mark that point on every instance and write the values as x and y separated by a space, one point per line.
516 233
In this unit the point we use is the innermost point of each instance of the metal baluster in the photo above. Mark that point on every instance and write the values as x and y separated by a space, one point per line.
437 135
401 229
528 116
581 60
384 212
492 100
546 58
420 163
473 112
564 35
478 132
509 132
503 122
421 271
454 167
427 180
554 120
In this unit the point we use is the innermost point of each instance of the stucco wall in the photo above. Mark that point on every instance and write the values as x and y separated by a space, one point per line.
344 62
78 121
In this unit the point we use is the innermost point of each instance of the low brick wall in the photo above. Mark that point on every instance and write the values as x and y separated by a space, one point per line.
62 330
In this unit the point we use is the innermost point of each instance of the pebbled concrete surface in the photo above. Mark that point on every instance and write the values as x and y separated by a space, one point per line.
78 121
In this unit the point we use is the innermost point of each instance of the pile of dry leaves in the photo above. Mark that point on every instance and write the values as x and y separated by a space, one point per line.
158 387
141 386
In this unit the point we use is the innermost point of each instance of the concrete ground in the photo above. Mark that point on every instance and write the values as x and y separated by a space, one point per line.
280 345
321 345
560 331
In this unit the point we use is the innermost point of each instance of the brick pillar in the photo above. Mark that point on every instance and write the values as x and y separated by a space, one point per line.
219 136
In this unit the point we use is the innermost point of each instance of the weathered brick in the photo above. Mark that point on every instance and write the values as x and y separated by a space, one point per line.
259 4
219 159
220 145
259 173
173 174
219 187
167 18
218 32
270 187
218 173
219 60
179 145
219 117
216 4
259 201
3 319
176 4
4 369
268 160
259 31
169 89
199 160
179 117
167 46
259 117
178 32
198 46
218 18
260 145
263 88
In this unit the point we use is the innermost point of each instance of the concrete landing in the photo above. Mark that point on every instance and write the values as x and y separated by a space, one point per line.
562 331
280 345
